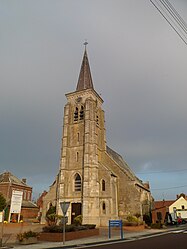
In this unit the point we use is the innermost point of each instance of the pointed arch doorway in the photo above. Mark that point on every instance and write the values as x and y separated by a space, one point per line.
75 210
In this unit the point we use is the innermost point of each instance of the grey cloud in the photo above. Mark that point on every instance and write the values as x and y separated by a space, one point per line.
138 65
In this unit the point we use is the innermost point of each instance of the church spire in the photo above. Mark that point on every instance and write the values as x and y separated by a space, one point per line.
85 78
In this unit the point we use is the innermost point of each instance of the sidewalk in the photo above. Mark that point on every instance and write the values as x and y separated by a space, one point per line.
103 237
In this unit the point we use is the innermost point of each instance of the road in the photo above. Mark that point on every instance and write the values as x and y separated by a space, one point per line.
172 240
175 240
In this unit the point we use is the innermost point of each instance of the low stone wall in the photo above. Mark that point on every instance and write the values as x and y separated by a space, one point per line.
58 237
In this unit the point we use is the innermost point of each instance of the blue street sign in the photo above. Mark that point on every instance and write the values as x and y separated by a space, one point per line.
115 223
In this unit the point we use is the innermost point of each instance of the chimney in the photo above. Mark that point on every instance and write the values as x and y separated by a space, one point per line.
24 180
146 185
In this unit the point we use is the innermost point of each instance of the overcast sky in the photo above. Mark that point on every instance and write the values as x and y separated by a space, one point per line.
138 65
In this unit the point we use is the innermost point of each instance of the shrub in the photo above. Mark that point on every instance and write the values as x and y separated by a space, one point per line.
69 228
132 218
26 235
147 219
128 223
90 226
51 216
53 229
138 215
2 202
156 225
78 220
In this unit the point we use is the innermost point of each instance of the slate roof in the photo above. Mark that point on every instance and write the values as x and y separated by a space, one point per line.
120 161
163 203
7 177
85 78
28 204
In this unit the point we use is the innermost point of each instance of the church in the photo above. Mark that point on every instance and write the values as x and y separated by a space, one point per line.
93 179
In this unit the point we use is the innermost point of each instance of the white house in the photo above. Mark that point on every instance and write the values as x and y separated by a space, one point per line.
179 208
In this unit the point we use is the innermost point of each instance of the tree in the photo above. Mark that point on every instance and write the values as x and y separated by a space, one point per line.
2 202
51 216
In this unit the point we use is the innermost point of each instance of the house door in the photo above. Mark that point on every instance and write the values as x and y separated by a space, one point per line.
75 210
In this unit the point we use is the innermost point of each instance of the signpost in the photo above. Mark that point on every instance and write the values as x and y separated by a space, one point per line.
1 217
2 222
115 223
64 206
16 202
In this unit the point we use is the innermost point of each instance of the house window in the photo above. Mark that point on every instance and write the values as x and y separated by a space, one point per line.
29 196
76 114
25 195
77 183
103 185
82 113
182 206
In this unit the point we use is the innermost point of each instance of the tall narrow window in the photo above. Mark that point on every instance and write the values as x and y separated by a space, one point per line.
77 183
29 196
25 195
103 185
78 137
82 113
76 114
77 157
104 208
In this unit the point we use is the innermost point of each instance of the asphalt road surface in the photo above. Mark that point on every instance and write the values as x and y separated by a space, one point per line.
174 240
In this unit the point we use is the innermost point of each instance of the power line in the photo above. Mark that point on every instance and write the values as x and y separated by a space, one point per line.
157 189
174 14
159 172
181 20
174 17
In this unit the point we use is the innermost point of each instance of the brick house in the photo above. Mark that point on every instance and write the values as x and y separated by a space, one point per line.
8 183
161 210
39 203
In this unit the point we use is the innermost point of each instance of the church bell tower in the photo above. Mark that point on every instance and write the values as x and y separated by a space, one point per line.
82 140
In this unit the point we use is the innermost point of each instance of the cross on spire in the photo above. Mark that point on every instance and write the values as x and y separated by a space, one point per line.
85 43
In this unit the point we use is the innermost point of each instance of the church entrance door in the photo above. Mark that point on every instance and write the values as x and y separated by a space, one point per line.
75 210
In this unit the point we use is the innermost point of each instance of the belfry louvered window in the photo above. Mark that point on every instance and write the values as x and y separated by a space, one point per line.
76 114
97 120
82 113
77 183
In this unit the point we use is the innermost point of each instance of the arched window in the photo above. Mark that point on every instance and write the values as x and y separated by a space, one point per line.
103 185
82 113
77 183
76 114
